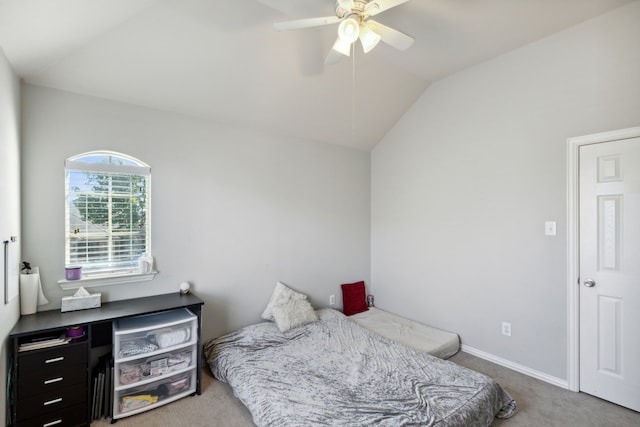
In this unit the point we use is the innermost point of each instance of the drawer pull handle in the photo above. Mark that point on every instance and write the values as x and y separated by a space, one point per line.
52 423
55 359
51 402
54 380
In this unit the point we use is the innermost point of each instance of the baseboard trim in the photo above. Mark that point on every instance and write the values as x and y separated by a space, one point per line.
516 367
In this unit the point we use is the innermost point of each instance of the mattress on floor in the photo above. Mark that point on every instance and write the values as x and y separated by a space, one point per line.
421 337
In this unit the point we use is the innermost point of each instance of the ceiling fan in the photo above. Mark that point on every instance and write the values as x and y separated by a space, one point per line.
354 17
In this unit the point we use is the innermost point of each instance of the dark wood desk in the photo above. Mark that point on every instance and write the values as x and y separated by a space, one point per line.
97 325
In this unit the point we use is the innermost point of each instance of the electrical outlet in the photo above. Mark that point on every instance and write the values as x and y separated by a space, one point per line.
332 299
506 329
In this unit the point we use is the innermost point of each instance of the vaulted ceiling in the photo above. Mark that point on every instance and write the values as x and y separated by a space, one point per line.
222 60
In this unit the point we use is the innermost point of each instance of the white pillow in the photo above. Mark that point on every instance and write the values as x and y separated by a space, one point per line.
292 313
280 294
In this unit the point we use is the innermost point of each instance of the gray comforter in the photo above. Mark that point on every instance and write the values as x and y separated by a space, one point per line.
334 372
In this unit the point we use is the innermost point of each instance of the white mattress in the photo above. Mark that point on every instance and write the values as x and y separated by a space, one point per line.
424 338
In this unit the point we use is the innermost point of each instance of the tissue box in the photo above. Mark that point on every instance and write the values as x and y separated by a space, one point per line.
80 302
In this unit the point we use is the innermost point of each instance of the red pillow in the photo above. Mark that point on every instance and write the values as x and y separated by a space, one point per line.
354 298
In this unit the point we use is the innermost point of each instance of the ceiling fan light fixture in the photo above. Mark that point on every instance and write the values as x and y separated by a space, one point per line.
349 30
342 47
368 38
353 19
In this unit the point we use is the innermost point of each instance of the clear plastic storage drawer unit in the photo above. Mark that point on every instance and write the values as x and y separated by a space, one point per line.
155 360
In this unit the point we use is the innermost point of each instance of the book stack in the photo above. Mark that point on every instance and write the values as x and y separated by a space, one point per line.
102 396
44 342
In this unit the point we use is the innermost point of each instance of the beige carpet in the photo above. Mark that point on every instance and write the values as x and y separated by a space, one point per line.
216 406
539 404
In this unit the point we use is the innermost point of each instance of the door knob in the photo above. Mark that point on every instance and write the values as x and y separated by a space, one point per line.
589 283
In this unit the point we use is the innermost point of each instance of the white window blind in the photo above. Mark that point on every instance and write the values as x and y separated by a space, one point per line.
107 213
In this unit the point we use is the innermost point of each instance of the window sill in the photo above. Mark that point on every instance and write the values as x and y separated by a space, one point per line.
106 279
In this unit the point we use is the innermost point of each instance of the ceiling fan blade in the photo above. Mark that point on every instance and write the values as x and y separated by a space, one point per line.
340 49
305 23
393 38
333 57
377 6
346 4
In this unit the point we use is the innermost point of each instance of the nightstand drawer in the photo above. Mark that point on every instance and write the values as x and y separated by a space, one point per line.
73 416
50 401
45 380
54 359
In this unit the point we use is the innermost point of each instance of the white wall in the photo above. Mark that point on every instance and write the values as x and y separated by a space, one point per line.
462 186
9 202
233 211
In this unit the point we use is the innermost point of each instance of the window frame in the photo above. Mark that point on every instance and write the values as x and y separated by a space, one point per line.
108 275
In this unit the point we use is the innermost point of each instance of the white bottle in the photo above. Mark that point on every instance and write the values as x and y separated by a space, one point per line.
145 263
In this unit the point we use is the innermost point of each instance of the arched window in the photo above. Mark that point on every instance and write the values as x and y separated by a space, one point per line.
107 213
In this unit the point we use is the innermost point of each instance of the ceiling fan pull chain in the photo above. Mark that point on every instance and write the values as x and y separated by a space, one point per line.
353 92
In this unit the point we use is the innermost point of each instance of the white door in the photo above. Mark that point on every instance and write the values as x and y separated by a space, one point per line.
610 271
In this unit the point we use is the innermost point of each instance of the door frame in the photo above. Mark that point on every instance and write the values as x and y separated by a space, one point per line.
573 243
